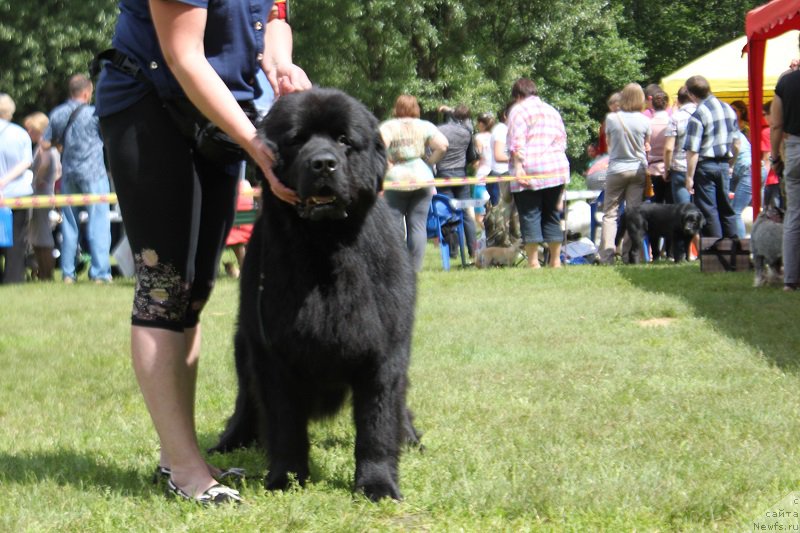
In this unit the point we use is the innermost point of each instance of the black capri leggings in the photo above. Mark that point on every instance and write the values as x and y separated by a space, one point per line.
177 209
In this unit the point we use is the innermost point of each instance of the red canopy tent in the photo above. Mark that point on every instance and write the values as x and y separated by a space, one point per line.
762 23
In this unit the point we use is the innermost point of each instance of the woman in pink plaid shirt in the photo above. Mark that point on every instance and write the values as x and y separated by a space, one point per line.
537 142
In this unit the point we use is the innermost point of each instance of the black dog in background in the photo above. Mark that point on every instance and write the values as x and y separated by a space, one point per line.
327 298
677 224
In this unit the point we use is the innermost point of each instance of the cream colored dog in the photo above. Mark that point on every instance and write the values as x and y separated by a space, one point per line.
497 256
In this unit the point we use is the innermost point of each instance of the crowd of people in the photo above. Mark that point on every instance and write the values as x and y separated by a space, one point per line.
62 152
696 149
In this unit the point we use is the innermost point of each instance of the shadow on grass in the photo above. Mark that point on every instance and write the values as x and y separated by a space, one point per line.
253 459
70 468
765 318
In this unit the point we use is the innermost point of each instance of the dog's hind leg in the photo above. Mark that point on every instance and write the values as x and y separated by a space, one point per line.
760 266
411 436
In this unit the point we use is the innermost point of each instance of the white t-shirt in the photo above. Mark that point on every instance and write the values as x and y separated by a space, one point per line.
499 134
484 140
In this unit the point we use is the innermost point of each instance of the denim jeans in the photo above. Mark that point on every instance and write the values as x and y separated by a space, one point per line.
539 215
742 185
98 230
677 181
711 197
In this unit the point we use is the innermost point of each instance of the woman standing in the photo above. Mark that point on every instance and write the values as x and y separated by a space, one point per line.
408 139
46 169
16 156
628 137
178 204
537 142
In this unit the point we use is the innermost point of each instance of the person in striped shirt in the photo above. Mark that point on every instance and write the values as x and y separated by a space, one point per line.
709 142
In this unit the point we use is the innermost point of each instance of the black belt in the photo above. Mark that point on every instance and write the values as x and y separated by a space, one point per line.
715 159
119 60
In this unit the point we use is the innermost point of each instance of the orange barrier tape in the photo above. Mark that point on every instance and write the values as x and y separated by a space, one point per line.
61 200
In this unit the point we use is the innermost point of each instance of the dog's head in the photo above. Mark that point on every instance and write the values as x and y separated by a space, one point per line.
329 150
692 220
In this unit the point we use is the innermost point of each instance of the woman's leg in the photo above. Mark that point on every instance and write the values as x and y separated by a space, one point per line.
166 369
15 256
529 205
416 224
160 198
612 197
552 232
791 222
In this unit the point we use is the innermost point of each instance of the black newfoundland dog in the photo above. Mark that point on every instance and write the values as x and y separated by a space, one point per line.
675 223
327 298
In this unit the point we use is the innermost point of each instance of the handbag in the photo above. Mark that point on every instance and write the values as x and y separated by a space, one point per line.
6 227
208 139
649 191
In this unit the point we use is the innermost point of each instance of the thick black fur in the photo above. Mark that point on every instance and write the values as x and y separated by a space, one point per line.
327 298
677 224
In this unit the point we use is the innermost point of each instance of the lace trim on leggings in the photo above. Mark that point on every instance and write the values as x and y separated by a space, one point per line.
161 295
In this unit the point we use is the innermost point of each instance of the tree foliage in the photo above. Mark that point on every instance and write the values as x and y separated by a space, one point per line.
447 52
442 51
674 33
44 42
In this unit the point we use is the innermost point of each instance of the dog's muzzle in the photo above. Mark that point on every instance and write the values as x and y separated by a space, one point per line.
323 203
321 208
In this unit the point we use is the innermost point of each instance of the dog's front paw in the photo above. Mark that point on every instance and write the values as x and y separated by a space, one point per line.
282 480
378 490
377 480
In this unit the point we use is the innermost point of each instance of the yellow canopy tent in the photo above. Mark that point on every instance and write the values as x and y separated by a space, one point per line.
725 68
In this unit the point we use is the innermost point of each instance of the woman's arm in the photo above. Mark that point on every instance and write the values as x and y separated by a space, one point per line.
284 76
180 29
669 149
438 145
13 173
500 154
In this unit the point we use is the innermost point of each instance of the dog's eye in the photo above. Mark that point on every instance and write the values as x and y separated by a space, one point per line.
344 141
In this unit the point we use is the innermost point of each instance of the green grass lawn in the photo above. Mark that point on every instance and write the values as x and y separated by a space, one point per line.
648 398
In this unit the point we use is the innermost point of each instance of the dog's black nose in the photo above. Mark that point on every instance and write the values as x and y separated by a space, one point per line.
323 164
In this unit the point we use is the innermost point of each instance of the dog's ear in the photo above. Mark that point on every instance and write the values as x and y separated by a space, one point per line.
379 161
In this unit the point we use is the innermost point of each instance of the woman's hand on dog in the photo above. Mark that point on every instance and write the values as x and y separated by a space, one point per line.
265 159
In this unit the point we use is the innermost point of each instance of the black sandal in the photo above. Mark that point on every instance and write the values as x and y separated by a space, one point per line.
231 476
214 495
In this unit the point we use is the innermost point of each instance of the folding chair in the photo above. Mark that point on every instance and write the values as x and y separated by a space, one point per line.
441 215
